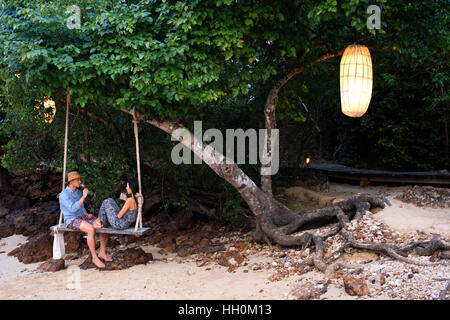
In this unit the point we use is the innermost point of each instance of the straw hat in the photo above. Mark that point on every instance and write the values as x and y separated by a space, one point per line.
73 175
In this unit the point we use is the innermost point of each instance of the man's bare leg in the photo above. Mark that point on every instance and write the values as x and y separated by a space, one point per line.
89 229
103 241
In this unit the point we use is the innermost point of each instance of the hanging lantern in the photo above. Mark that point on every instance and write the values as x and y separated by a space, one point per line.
355 80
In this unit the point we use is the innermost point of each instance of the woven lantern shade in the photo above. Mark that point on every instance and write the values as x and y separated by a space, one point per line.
356 80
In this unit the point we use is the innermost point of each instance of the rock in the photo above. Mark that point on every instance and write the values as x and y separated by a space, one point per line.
434 257
230 259
52 265
14 202
427 196
307 290
359 235
30 221
3 212
74 241
184 220
355 286
184 251
122 260
241 245
14 252
39 248
43 184
6 230
167 241
156 238
212 248
375 210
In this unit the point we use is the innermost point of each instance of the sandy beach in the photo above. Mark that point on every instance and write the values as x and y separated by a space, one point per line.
169 276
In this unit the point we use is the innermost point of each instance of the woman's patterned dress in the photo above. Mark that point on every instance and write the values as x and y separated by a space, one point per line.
108 214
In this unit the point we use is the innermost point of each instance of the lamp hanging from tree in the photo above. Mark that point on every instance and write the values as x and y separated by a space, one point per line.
356 80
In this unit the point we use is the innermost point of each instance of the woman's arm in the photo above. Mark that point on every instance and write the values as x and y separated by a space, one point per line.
125 208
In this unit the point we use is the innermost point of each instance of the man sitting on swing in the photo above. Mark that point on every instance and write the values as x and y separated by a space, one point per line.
71 202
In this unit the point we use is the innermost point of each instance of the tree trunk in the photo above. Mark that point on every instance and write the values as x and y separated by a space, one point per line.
271 124
446 137
258 200
275 222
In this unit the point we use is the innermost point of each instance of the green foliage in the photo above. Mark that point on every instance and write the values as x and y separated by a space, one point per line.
215 61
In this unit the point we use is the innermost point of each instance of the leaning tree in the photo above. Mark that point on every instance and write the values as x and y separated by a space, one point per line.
168 62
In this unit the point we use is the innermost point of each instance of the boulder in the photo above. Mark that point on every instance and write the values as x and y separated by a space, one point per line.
3 212
122 259
306 290
355 286
30 221
14 202
38 248
74 241
52 265
230 259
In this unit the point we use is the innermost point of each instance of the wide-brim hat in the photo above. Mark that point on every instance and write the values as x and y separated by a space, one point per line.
73 175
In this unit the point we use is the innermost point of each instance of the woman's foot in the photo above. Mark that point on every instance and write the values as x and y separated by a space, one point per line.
98 263
104 257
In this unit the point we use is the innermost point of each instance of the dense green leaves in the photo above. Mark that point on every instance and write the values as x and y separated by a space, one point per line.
216 61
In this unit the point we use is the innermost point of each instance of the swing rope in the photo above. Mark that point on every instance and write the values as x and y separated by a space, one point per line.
139 196
65 148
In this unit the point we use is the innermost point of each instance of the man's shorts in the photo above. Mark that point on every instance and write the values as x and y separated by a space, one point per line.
76 223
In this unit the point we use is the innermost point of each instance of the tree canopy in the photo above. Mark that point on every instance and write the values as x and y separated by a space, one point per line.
216 61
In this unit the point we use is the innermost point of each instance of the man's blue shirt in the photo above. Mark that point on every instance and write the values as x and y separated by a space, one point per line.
68 202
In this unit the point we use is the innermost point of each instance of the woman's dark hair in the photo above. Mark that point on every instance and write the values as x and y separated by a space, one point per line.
134 186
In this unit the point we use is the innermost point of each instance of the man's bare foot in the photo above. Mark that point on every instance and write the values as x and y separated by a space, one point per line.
98 263
98 224
104 257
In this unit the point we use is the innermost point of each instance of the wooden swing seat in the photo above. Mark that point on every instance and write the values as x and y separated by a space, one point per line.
129 231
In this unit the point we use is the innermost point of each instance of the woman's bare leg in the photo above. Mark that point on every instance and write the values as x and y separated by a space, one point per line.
103 241
89 229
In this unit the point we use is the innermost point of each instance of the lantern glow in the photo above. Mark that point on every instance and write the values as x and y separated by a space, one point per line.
356 80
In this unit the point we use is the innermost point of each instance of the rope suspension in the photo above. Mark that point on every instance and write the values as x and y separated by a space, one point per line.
65 148
139 196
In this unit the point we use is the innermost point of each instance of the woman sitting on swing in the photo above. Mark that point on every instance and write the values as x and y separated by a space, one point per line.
112 216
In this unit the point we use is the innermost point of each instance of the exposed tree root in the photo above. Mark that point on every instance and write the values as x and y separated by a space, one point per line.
443 293
352 208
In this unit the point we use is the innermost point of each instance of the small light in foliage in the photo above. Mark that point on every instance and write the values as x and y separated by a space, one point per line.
49 104
356 80
308 161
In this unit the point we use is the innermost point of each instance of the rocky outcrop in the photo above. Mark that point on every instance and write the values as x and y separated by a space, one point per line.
39 248
43 184
14 202
28 221
74 242
122 260
425 196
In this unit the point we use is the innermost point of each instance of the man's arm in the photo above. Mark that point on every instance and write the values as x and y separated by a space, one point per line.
83 197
